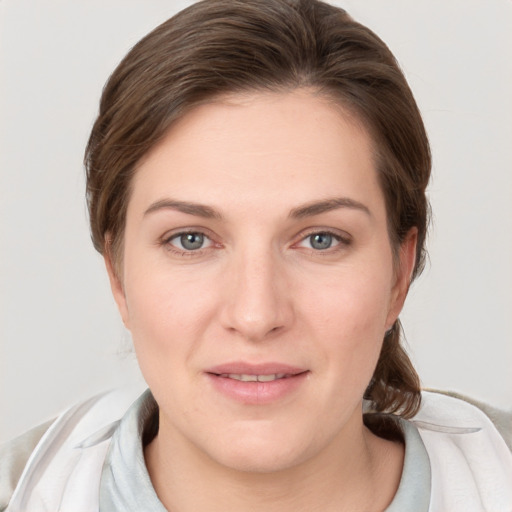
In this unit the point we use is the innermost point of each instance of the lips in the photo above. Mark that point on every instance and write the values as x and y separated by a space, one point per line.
256 384
242 368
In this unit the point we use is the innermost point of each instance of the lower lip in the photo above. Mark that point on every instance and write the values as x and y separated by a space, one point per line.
257 393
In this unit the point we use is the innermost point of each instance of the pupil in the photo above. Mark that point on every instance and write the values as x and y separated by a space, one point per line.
321 241
192 241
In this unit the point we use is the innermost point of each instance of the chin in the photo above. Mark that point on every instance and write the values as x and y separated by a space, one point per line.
257 454
262 463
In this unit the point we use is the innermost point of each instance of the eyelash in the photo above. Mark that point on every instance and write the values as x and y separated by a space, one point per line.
167 243
343 241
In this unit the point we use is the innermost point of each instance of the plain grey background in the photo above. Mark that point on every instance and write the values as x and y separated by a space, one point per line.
61 338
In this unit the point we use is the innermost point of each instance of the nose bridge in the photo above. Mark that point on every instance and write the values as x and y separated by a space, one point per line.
258 303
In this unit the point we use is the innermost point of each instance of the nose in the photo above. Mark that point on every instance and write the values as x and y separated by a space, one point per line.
257 302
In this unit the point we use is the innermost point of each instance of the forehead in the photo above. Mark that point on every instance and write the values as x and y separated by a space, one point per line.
283 147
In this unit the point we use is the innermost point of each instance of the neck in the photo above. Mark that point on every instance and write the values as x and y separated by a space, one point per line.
356 471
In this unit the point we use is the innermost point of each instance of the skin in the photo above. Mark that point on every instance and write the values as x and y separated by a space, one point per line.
259 290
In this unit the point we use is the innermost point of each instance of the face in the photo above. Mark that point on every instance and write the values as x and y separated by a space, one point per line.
258 278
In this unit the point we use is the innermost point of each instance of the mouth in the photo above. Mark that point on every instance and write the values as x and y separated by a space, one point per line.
256 384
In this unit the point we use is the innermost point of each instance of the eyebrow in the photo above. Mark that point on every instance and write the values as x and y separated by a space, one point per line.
318 207
307 210
191 208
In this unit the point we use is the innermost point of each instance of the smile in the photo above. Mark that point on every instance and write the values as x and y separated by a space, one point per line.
256 384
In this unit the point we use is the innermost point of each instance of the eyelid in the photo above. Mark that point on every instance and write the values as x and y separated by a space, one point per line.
169 236
206 239
343 238
338 233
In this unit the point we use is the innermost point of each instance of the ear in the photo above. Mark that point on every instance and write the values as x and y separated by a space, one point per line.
403 276
116 285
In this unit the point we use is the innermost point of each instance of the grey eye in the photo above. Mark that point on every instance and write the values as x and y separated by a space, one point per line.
192 241
321 241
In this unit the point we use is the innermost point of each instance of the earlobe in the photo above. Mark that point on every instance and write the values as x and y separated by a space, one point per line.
116 285
403 275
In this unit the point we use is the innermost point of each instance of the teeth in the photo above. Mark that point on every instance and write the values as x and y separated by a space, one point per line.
254 378
266 378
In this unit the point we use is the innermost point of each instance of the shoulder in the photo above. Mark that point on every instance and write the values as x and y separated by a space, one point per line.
13 458
54 447
448 412
501 419
468 453
450 404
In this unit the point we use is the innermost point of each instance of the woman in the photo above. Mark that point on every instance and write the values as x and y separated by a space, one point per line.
256 185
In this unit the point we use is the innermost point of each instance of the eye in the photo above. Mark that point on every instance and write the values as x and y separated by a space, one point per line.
320 241
325 241
192 241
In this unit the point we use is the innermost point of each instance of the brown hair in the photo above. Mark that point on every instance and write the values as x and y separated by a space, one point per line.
216 47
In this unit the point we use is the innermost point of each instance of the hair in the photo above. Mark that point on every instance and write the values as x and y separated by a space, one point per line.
219 47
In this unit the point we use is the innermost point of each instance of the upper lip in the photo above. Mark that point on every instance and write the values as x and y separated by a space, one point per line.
244 368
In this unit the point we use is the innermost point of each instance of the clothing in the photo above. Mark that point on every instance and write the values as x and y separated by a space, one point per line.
89 460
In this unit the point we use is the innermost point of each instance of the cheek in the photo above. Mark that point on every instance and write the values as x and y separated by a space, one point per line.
349 302
348 318
167 312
